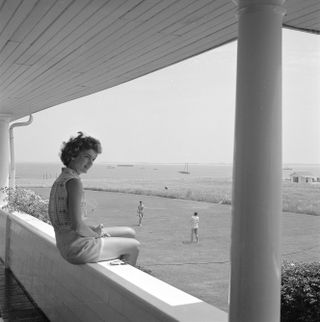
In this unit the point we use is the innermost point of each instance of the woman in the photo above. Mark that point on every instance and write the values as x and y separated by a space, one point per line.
77 242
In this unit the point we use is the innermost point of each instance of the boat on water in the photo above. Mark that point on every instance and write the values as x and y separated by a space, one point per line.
185 170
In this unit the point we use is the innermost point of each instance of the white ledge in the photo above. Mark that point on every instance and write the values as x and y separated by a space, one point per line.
91 291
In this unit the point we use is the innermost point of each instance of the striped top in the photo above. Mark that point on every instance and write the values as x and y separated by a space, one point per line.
58 206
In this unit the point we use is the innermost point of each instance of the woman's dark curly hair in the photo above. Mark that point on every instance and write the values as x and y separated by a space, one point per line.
75 145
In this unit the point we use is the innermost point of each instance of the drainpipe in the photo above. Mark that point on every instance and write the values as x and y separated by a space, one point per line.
12 177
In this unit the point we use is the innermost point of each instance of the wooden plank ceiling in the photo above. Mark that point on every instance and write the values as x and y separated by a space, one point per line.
53 51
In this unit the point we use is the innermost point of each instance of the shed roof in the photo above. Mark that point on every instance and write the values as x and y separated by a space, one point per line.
302 174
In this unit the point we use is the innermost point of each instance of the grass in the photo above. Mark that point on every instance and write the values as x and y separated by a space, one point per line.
199 269
297 198
197 189
301 198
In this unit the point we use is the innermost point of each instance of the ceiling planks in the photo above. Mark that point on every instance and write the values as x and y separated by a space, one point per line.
52 51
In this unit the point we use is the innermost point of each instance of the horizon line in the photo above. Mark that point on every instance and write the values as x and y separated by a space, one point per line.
169 163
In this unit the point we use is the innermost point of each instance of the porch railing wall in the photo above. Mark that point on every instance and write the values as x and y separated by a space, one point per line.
90 292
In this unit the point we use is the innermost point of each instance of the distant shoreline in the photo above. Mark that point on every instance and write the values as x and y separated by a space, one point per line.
166 163
207 183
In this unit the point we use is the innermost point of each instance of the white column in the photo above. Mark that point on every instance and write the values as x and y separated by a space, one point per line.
256 205
4 153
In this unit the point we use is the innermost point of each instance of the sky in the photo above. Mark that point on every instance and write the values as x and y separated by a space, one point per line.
183 113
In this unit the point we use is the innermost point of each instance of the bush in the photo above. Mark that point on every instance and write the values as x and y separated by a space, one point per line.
26 201
300 292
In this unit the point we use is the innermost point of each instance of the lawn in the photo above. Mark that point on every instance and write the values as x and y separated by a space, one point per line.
199 269
298 198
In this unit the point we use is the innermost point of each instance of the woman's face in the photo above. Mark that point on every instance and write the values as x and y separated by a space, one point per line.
83 161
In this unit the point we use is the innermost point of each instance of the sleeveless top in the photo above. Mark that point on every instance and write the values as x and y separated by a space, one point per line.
58 207
73 247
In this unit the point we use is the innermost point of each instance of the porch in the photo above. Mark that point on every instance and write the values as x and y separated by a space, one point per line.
56 51
90 292
15 303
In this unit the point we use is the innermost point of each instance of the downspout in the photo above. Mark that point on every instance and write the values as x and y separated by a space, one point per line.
12 176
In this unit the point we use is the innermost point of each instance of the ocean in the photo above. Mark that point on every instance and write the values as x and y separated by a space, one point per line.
28 172
141 171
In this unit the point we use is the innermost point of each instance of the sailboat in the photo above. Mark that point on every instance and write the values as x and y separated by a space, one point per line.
185 170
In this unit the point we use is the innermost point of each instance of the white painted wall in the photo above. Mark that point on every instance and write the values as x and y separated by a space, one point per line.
92 292
3 223
4 154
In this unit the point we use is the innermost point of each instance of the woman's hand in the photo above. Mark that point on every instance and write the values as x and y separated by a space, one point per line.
100 232
98 229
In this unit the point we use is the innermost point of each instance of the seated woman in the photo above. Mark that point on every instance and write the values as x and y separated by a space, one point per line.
77 242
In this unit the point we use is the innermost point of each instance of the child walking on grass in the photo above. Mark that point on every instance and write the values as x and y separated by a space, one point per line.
140 213
194 227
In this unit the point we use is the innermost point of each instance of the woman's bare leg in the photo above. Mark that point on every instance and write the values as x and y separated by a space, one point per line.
127 232
116 247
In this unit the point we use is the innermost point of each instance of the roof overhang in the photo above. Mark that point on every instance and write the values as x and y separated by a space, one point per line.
56 51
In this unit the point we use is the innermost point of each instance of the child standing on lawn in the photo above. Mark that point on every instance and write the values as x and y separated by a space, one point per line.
194 227
140 212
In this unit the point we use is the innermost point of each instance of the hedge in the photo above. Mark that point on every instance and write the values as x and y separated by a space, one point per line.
300 292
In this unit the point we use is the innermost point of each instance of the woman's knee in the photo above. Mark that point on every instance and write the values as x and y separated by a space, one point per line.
114 247
137 244
122 231
133 244
131 249
135 248
129 232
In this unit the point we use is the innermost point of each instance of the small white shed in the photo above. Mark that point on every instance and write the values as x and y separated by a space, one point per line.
303 177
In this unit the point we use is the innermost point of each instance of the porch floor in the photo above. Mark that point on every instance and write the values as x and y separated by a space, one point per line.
15 303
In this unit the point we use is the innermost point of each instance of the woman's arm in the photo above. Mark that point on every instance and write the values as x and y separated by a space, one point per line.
100 230
74 190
